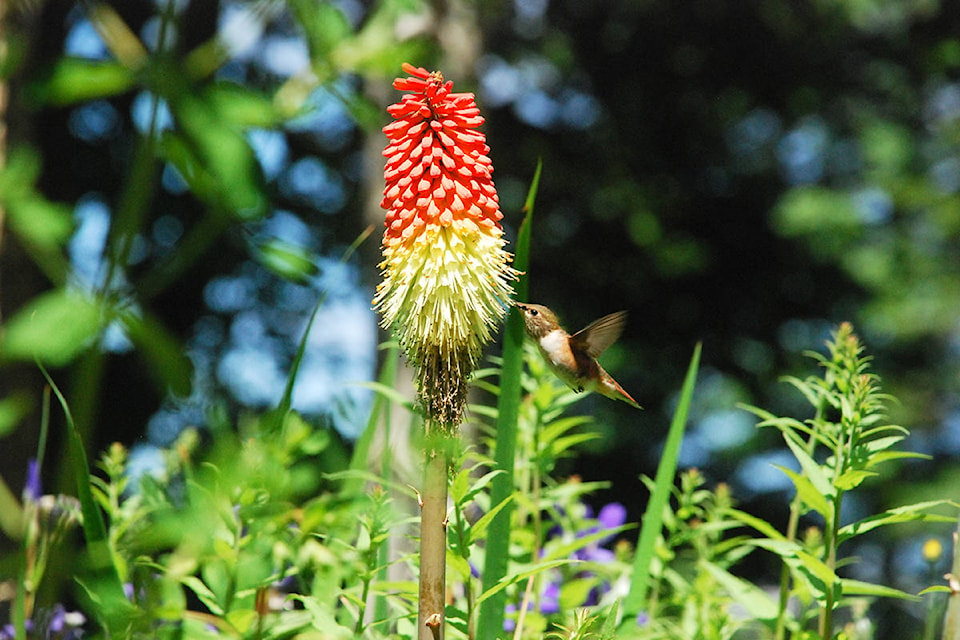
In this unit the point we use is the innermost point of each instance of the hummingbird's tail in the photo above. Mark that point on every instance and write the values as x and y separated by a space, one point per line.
612 389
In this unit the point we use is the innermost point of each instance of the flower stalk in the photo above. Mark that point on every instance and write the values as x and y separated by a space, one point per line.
446 281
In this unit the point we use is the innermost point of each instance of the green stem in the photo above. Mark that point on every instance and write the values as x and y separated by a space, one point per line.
433 536
830 544
362 605
791 534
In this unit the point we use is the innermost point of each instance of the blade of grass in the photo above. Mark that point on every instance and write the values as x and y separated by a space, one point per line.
274 423
360 461
104 585
653 517
381 407
490 616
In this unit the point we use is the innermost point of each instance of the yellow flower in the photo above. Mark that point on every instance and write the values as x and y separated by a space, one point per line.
446 275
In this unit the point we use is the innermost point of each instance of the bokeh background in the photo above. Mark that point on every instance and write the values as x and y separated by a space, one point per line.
743 173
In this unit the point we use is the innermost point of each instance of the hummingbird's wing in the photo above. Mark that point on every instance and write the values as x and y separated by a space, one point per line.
600 334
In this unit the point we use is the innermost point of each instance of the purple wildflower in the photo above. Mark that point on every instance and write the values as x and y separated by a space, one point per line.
32 490
550 598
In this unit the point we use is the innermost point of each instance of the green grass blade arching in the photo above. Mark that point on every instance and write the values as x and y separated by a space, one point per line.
653 517
490 617
104 583
275 422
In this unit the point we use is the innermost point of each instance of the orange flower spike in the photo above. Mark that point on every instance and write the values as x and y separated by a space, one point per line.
446 275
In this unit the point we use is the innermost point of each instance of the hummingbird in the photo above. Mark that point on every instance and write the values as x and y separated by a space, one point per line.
573 358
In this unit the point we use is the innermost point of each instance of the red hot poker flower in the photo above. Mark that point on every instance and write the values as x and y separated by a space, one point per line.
445 272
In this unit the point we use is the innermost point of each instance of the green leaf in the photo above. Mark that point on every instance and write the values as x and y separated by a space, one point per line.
103 587
479 485
812 498
744 593
216 147
53 328
287 260
375 49
885 456
567 549
811 469
609 629
242 107
37 221
560 445
909 513
479 528
882 443
325 26
203 593
490 614
858 588
13 409
939 588
812 209
323 619
75 80
636 597
759 524
514 578
852 479
573 593
286 401
818 577
558 427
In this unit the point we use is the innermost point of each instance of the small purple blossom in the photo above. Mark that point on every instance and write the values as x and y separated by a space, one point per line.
550 598
55 623
32 490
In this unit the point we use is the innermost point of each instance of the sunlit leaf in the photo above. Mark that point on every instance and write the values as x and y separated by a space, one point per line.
745 593
852 479
811 469
323 618
921 511
490 615
479 528
216 145
74 80
13 409
514 578
40 222
53 328
203 593
479 485
805 210
102 580
573 593
35 219
325 25
286 260
812 498
759 524
241 106
859 588
939 588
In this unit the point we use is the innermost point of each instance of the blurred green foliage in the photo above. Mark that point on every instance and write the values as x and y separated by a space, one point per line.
746 174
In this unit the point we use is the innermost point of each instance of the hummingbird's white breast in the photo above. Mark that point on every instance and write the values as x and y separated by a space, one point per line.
555 347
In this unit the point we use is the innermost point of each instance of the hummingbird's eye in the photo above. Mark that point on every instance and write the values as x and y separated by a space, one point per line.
533 312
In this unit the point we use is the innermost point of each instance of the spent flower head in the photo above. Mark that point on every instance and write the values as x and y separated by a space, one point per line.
446 275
